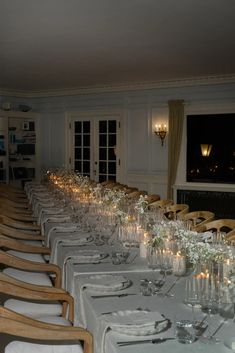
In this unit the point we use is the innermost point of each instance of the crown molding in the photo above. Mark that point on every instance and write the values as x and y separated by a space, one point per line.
193 81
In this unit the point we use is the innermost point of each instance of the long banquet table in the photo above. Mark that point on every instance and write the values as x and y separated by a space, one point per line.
136 269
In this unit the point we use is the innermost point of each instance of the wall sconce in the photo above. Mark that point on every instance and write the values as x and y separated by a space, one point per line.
206 149
161 131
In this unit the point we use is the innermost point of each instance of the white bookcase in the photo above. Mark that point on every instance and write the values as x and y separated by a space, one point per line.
19 147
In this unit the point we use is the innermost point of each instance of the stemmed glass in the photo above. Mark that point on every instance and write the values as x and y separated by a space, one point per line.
154 262
210 304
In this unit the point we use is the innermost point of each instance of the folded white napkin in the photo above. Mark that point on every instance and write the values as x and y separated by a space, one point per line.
75 239
131 323
60 229
54 218
206 236
51 210
37 205
99 283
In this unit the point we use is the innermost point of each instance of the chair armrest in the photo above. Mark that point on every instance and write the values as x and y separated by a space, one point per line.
19 225
9 243
19 234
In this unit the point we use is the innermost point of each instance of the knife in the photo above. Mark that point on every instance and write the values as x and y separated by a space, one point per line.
153 341
112 295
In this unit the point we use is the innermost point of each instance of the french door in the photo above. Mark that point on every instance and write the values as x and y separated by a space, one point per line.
94 146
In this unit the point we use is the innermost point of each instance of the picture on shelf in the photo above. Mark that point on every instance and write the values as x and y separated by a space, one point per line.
25 125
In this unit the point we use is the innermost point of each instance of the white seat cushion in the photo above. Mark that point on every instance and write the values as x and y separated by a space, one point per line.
27 256
34 310
25 347
39 278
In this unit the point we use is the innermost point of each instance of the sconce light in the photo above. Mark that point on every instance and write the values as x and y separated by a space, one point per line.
161 131
206 149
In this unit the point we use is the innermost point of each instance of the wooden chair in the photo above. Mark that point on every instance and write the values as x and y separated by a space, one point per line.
151 198
18 205
162 204
231 237
22 199
16 216
28 329
14 209
176 211
219 226
24 250
198 218
36 301
20 234
30 271
18 224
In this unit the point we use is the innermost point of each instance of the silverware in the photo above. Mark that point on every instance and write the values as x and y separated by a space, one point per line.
165 294
112 295
152 341
219 327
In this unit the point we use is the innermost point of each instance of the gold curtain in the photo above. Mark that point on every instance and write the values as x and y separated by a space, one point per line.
176 120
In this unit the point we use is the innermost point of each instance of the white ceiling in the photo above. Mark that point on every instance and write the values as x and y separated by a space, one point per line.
64 44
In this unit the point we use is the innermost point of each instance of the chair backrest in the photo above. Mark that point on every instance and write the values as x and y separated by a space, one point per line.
162 204
176 211
218 225
151 198
198 218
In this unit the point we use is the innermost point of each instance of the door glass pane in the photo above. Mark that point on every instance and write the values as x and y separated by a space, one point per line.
103 140
78 153
112 126
78 127
102 178
102 167
103 126
103 154
112 140
78 140
86 153
86 140
86 127
111 154
112 167
86 167
78 166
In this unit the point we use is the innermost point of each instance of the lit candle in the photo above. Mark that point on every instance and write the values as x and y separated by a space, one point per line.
143 246
179 265
227 268
143 250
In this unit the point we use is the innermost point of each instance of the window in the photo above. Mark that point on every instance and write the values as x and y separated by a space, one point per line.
211 148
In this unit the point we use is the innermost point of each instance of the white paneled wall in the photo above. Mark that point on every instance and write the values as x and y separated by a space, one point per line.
144 159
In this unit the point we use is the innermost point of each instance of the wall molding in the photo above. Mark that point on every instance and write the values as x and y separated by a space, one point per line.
192 81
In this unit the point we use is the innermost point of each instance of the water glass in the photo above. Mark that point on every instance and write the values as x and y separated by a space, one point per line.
146 288
185 331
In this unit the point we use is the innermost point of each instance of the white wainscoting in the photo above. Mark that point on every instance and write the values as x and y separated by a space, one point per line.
153 184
